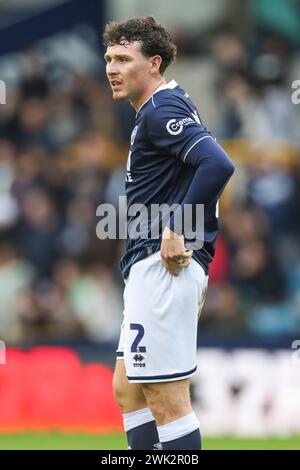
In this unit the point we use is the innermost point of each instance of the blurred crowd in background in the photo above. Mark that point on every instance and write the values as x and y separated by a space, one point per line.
63 151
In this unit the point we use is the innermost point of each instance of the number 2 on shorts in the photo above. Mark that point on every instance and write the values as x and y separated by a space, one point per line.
141 332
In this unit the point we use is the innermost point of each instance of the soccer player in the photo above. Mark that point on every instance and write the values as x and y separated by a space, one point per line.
173 159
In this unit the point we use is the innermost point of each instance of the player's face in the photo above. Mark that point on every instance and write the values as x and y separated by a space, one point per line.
128 71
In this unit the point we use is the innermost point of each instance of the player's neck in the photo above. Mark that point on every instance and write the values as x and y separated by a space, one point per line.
138 103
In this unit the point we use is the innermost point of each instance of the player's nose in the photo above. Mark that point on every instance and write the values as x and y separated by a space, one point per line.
111 70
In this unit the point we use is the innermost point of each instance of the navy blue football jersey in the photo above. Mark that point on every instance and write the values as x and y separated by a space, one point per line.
167 135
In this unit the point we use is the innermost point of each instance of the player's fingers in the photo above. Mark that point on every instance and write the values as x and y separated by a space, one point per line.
169 267
178 265
182 260
186 255
184 263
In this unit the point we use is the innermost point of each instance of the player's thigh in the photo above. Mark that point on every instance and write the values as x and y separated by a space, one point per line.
129 396
168 400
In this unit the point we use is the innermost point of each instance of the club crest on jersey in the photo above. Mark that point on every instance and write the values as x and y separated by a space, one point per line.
133 135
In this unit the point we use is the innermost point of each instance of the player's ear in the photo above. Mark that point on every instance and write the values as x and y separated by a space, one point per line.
155 63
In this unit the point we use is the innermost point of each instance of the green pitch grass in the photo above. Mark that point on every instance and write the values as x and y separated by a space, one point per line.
56 440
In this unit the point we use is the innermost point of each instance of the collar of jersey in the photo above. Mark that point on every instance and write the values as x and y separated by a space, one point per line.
170 85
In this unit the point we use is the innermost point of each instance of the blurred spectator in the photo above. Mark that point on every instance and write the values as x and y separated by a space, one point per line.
256 273
8 207
273 189
16 275
100 314
38 230
224 312
44 314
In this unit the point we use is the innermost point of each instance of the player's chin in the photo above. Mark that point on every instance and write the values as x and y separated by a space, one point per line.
119 95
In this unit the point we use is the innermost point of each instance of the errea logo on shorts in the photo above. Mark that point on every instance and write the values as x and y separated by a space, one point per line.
139 360
175 126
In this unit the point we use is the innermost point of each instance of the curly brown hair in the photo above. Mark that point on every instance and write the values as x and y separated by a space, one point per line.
154 38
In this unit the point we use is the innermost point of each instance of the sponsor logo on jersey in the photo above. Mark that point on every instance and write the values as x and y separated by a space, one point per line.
175 126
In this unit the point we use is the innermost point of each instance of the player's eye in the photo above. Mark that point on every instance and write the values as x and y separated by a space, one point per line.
123 60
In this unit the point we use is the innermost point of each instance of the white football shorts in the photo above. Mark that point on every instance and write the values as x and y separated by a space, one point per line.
158 340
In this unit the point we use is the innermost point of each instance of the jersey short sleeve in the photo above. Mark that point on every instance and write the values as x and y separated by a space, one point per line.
175 129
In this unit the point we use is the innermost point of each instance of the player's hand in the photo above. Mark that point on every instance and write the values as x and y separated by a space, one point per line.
173 252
